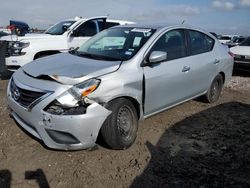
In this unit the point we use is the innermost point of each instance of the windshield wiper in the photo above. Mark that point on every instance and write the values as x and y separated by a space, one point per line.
73 51
96 56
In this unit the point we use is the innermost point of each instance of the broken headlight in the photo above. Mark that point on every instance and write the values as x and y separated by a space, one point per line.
74 95
82 90
71 101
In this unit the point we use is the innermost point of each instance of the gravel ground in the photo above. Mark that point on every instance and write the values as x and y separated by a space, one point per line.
192 145
239 82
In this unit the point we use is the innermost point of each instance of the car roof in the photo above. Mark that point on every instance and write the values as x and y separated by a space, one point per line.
110 20
151 26
165 26
160 26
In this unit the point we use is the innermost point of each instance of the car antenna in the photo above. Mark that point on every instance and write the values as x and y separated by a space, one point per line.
183 22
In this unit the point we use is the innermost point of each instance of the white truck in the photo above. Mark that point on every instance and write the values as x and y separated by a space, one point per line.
61 37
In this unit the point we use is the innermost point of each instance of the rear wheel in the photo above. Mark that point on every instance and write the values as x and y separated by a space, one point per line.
214 91
120 128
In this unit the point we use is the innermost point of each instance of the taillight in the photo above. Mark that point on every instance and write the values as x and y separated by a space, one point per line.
231 54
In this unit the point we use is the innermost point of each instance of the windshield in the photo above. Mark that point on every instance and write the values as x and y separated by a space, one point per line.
225 38
115 43
59 28
238 40
3 34
246 42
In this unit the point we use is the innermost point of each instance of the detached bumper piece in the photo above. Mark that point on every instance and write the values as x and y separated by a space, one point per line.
57 109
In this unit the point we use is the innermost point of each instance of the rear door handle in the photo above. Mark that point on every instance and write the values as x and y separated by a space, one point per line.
216 61
186 69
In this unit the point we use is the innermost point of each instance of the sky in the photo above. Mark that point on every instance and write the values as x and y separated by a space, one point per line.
220 16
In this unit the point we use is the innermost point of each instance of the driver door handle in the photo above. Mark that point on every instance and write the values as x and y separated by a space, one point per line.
216 61
186 69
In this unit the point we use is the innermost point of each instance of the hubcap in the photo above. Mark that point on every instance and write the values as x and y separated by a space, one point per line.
125 122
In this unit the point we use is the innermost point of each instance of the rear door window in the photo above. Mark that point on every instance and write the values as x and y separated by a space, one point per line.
200 42
246 42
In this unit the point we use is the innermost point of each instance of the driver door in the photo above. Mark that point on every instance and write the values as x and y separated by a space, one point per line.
167 82
84 31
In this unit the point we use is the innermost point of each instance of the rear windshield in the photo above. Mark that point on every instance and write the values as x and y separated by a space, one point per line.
225 38
246 42
238 39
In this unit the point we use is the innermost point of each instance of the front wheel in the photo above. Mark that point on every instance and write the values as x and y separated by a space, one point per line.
120 128
214 91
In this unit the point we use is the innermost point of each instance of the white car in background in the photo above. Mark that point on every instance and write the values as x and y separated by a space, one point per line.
61 37
226 38
236 41
242 55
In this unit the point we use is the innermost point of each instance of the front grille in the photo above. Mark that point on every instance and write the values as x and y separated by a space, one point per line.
3 49
24 97
242 58
7 52
13 67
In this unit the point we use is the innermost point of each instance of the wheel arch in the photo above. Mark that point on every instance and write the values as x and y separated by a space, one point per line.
135 103
44 53
223 76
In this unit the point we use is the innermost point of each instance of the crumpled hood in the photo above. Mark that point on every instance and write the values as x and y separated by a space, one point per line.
70 66
241 50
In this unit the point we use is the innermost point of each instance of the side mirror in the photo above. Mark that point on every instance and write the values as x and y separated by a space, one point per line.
19 31
65 27
72 50
157 57
74 33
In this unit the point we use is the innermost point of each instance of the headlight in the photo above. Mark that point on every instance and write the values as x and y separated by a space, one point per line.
15 47
75 94
83 89
20 45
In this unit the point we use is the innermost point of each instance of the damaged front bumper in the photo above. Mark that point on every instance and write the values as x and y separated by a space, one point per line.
66 132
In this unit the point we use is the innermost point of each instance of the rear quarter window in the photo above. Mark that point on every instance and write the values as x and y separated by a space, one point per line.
107 24
110 24
200 42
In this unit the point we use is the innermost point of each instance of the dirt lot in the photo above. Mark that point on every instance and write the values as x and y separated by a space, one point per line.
192 145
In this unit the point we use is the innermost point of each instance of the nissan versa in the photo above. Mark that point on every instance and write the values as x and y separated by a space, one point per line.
121 75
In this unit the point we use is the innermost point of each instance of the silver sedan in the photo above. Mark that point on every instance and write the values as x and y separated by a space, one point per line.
121 75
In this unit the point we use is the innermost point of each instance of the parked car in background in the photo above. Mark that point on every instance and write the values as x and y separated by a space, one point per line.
226 38
242 55
61 37
2 34
214 34
235 41
19 28
121 75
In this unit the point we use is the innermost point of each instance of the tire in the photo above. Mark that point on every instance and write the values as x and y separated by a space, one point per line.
119 130
214 91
